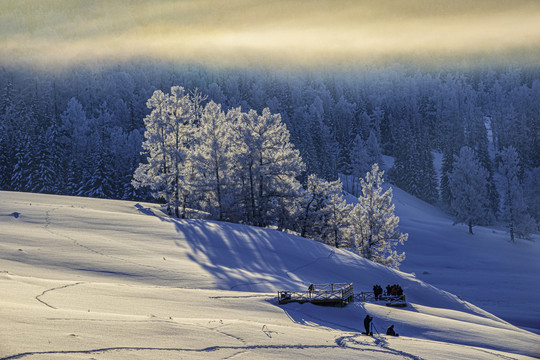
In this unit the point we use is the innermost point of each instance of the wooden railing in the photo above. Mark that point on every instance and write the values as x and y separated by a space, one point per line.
370 296
341 294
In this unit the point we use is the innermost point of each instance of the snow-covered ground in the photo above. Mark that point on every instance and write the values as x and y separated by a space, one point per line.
97 279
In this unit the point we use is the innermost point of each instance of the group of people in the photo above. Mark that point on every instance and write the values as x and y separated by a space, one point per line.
368 326
391 290
394 290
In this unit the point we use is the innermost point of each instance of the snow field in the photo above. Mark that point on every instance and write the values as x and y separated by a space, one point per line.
85 278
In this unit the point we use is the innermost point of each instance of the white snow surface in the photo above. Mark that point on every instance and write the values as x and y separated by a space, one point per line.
100 279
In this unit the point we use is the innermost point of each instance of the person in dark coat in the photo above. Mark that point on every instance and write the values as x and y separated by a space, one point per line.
367 323
376 291
391 331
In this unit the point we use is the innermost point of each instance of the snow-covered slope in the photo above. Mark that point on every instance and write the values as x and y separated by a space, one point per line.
83 278
484 269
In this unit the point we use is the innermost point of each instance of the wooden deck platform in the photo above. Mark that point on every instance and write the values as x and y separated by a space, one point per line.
321 294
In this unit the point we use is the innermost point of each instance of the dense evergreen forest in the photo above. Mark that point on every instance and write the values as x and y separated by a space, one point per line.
79 131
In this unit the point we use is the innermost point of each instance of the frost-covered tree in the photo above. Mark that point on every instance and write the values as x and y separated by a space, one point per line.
468 187
413 168
213 159
514 208
373 150
324 211
48 170
75 130
99 174
478 141
337 222
320 149
360 163
25 152
531 192
269 165
169 130
373 224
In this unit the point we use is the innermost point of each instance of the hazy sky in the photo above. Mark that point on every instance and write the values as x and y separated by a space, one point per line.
241 31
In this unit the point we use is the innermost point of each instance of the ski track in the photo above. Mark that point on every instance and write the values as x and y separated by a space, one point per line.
52 289
137 348
217 329
379 346
241 349
267 331
343 340
383 343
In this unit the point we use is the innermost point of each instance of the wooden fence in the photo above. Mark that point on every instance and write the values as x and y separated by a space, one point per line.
391 300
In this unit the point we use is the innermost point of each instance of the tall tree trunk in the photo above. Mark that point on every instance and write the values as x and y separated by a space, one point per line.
218 193
252 194
306 216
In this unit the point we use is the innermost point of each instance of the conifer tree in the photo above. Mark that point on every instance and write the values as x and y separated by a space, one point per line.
269 165
337 222
514 209
21 177
478 141
318 192
373 225
360 163
468 188
212 158
47 174
531 192
169 129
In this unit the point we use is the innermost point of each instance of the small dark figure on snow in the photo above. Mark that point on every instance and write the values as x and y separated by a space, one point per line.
391 331
311 287
377 291
388 290
367 323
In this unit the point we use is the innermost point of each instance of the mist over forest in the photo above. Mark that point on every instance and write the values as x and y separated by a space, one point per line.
351 81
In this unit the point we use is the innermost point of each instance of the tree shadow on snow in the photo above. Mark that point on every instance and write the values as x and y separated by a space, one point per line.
247 258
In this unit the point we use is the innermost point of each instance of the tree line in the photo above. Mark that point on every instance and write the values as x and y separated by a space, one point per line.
78 131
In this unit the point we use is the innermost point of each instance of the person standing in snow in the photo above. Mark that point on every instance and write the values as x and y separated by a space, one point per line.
311 288
377 291
367 323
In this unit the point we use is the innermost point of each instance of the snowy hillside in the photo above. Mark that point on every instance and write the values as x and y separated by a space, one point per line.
86 278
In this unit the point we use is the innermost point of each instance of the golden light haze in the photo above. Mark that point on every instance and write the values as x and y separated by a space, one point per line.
243 32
